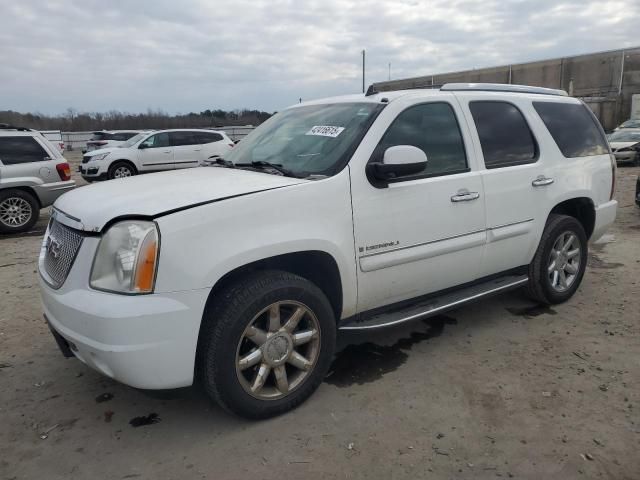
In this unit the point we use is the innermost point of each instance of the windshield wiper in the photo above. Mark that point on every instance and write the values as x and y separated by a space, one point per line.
274 166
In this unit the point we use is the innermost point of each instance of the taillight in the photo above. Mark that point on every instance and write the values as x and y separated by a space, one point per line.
612 157
61 145
64 170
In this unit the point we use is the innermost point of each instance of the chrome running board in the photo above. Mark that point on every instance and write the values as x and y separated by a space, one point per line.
435 304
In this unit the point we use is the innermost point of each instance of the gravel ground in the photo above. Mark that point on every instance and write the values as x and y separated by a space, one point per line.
502 388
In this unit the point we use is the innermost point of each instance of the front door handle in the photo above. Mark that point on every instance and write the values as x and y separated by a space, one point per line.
541 181
167 151
465 196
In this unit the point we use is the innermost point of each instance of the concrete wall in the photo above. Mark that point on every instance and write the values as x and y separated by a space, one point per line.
605 80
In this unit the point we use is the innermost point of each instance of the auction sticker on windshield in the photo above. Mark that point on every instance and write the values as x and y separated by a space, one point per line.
325 131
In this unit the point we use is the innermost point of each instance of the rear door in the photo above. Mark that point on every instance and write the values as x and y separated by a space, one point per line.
213 144
517 178
155 153
186 147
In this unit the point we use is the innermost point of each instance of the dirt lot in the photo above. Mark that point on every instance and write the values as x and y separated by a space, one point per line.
503 388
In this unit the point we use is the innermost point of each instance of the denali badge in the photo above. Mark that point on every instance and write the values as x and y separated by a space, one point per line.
53 246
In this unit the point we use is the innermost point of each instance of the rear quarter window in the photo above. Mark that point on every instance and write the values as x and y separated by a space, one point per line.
573 128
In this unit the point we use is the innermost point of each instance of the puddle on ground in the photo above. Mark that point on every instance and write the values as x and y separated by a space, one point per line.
531 311
144 420
367 362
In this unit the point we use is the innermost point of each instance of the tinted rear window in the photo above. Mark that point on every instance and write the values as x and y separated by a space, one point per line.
14 150
573 128
123 136
504 134
99 136
205 137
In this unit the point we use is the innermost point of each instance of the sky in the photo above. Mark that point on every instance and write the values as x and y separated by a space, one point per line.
190 55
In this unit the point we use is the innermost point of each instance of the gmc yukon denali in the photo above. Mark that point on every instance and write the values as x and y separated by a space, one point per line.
348 213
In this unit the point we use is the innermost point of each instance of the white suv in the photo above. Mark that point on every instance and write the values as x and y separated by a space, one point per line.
154 152
349 213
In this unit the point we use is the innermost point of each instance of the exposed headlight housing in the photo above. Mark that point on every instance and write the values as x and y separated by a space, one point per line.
97 158
127 258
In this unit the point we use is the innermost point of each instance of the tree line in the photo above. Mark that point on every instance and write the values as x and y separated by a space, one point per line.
74 121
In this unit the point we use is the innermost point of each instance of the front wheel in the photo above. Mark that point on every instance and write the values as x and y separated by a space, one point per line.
266 344
560 261
121 170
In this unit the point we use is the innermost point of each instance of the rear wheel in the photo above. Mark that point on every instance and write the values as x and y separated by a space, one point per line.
560 261
121 170
19 211
266 344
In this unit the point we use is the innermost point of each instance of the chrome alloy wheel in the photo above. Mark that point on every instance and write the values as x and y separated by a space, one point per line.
122 172
15 212
278 350
564 261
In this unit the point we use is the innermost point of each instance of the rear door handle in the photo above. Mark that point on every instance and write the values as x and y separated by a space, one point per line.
167 151
465 196
541 181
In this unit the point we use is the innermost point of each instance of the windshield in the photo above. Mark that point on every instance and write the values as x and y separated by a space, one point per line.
133 140
311 140
622 136
630 124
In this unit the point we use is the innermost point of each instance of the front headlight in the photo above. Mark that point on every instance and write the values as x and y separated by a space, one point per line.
127 258
97 158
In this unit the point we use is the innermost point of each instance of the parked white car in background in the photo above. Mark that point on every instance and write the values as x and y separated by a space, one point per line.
355 212
154 152
109 138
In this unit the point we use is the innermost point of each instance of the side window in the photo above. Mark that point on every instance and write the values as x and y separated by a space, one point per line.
433 128
505 136
573 128
178 139
14 150
204 137
158 140
122 136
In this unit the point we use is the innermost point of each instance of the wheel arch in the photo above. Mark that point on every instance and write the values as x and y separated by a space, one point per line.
124 160
26 189
317 266
580 208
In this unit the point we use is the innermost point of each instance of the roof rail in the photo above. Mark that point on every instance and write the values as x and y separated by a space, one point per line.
501 87
6 126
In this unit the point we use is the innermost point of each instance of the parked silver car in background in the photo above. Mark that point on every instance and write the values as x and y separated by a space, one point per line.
33 174
625 145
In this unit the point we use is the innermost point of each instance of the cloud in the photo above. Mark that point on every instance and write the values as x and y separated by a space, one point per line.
183 56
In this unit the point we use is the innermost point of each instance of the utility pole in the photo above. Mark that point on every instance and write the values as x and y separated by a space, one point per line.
363 57
389 70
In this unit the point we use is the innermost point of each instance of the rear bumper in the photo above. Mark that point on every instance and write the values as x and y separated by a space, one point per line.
605 216
49 192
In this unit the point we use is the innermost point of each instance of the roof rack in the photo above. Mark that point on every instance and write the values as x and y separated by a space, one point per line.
478 87
501 87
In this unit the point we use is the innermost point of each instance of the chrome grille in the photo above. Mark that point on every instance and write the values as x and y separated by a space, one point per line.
61 246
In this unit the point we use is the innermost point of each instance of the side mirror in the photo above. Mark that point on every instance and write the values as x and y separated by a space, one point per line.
398 161
142 146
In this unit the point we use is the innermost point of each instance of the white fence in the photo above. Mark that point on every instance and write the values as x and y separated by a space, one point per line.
78 140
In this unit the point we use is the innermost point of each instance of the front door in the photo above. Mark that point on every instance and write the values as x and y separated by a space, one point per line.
426 232
155 153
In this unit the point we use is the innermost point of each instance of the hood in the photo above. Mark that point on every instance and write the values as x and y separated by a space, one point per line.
90 208
617 145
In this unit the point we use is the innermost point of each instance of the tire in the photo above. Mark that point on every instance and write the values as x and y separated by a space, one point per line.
543 286
19 211
226 337
119 169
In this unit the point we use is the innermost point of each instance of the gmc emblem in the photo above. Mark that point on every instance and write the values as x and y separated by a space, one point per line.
53 246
